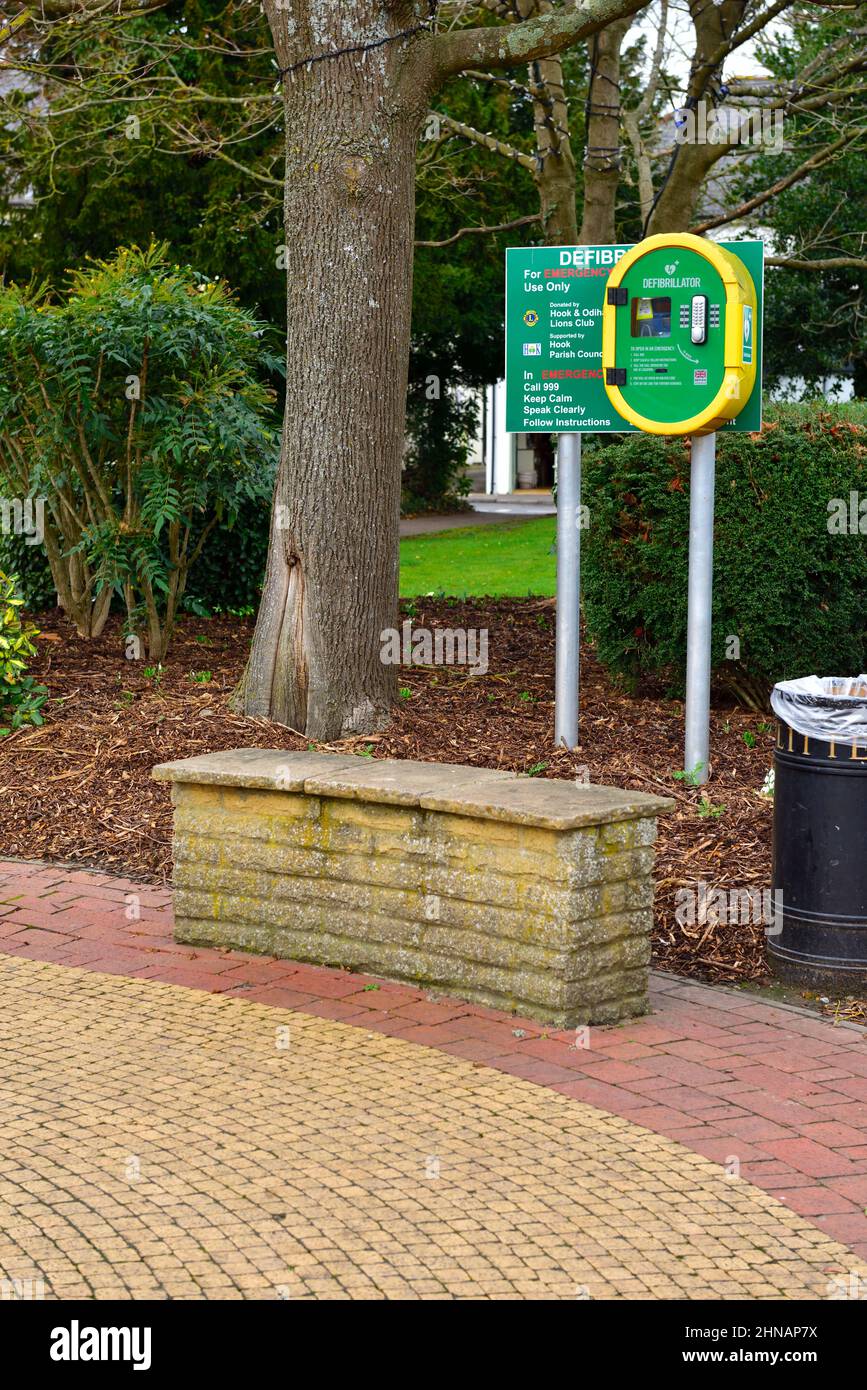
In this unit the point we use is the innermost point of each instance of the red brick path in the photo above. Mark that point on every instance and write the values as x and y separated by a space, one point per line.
781 1091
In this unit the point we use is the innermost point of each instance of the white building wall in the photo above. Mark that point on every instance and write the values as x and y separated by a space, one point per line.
497 458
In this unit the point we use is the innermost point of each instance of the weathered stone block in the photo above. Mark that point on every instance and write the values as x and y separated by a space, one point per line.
534 896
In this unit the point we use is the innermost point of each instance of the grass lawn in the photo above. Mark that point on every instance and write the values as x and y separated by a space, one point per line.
512 560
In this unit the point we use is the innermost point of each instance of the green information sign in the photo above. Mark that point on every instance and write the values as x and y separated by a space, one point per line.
554 378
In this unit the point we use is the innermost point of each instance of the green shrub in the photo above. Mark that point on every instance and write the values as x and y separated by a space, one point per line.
229 573
21 698
793 592
227 576
29 564
136 409
440 423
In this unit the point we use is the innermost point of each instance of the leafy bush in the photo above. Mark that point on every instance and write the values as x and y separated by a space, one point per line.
29 564
229 573
440 423
21 698
135 408
791 590
227 576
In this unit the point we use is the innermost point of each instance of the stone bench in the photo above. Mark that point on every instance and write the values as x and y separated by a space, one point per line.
530 896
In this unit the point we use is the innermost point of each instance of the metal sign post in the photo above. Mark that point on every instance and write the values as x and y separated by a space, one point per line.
696 756
566 695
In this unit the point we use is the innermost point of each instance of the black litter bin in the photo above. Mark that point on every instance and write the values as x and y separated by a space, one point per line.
820 833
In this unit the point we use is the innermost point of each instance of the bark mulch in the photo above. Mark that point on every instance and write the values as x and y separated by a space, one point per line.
78 790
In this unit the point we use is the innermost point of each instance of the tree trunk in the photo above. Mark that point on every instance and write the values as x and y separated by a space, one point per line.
602 160
555 178
74 584
643 164
331 584
352 125
678 199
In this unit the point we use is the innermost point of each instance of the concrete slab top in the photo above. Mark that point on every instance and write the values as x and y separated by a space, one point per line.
447 787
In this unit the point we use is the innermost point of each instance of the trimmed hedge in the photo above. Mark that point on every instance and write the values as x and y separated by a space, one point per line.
228 574
29 564
793 591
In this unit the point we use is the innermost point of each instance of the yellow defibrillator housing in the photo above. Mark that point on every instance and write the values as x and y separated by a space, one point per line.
679 335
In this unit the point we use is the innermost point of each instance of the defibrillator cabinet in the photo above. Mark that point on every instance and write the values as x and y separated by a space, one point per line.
678 335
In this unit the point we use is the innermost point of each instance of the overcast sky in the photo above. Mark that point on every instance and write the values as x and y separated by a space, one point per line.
681 37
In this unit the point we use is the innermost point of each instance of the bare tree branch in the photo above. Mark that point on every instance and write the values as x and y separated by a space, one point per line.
90 9
51 10
519 88
634 116
646 103
215 150
815 161
470 231
704 69
831 263
490 142
509 46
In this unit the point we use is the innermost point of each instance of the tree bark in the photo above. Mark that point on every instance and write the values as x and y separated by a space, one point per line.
678 198
602 160
555 173
331 582
74 584
556 178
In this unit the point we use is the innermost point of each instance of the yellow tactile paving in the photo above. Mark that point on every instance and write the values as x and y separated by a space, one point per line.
157 1141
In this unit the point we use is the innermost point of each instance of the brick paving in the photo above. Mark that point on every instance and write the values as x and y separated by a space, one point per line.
773 1093
158 1141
